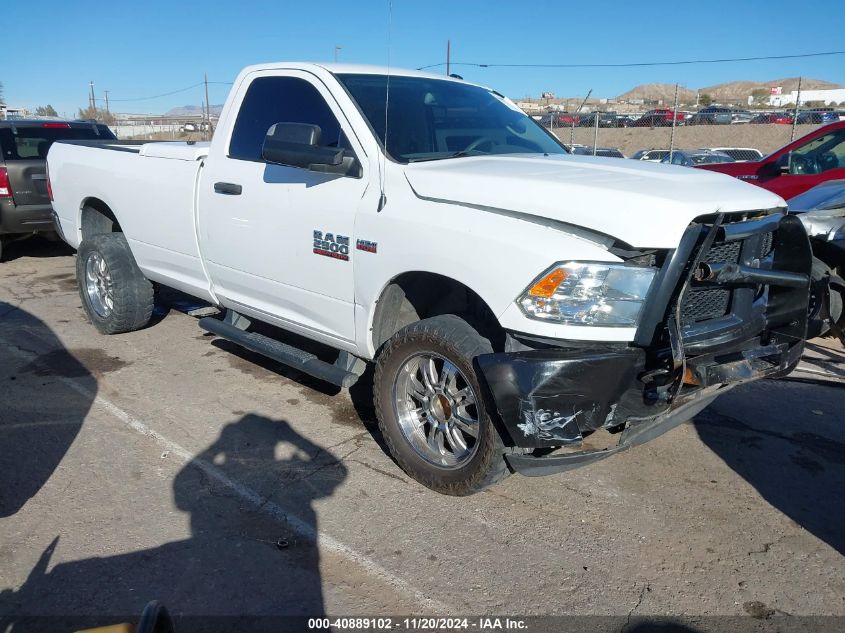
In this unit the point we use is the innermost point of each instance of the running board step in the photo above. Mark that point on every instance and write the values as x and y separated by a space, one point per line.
281 352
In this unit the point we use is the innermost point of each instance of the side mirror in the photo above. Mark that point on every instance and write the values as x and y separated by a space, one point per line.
784 163
298 145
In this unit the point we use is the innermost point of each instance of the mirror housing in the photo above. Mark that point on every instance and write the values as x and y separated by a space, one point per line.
298 145
784 163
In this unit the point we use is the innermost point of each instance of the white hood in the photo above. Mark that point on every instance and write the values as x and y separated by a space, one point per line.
643 204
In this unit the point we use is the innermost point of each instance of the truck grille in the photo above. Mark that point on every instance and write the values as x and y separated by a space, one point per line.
702 304
705 303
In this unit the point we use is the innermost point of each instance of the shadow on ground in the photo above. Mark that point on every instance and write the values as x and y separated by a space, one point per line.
245 554
787 440
40 413
246 563
34 246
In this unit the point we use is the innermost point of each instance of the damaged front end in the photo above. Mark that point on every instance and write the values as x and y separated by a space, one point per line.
728 306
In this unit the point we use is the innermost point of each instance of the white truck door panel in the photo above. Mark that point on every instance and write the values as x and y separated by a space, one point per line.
258 221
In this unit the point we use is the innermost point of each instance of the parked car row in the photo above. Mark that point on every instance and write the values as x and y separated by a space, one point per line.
704 155
662 117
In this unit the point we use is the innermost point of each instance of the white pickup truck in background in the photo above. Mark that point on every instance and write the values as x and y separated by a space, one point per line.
526 310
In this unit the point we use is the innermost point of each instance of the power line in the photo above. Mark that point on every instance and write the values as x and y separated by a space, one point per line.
639 64
167 94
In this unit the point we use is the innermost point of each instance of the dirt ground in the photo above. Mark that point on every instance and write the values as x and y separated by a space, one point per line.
766 138
168 464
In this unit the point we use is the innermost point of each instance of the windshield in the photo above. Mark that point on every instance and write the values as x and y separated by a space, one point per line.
431 119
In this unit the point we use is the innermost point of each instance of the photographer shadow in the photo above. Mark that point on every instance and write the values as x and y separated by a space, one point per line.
246 563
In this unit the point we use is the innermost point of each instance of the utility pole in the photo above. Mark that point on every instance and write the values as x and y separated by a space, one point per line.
674 117
91 104
207 108
107 102
795 113
336 51
448 57
596 131
572 131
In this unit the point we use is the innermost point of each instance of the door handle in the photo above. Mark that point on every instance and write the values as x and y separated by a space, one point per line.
228 188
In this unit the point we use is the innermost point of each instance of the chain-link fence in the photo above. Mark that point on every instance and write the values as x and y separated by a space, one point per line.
756 121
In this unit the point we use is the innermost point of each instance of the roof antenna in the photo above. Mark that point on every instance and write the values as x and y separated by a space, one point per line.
382 201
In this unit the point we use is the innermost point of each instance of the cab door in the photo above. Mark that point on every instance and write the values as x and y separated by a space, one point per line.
806 165
275 238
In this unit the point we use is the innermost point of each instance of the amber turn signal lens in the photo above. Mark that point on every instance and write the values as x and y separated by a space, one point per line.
547 286
690 378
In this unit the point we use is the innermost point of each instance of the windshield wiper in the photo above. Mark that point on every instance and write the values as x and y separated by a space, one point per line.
460 154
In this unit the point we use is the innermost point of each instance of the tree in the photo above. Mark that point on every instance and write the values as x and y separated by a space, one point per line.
705 100
46 110
98 114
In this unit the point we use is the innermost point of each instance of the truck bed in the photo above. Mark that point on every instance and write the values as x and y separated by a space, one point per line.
154 186
178 150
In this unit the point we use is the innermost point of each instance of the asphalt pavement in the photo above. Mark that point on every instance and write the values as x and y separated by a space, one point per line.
168 464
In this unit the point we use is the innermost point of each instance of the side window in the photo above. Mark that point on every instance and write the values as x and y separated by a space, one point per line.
270 100
821 154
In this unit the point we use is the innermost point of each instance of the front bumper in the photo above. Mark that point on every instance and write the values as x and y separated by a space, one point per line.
553 398
549 396
25 218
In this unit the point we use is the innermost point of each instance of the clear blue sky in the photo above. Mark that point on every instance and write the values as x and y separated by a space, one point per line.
149 47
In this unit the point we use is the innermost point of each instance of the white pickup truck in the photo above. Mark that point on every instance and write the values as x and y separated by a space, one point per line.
526 309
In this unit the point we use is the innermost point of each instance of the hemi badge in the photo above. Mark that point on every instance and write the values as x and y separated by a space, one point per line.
366 245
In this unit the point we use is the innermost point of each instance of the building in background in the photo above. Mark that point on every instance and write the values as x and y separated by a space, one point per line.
779 99
9 112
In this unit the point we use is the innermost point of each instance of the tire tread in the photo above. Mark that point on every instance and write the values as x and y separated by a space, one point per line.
455 333
133 293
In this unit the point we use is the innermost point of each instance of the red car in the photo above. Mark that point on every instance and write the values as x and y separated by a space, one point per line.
659 117
781 118
812 159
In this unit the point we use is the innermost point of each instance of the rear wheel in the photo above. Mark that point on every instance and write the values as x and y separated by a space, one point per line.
114 292
431 409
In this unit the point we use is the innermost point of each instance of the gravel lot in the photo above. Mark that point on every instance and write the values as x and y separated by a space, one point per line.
168 464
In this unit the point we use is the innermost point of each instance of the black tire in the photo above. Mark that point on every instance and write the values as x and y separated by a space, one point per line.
2 244
819 292
453 339
837 301
132 293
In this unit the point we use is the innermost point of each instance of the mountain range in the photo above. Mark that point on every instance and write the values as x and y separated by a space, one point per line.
192 110
731 91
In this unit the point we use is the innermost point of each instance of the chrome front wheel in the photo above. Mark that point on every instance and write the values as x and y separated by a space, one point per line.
437 410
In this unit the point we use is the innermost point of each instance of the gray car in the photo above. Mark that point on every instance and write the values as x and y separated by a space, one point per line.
691 158
712 115
24 199
822 211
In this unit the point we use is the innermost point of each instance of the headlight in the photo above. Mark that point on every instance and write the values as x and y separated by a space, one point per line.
582 293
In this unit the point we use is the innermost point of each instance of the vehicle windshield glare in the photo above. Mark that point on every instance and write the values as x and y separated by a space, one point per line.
432 119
